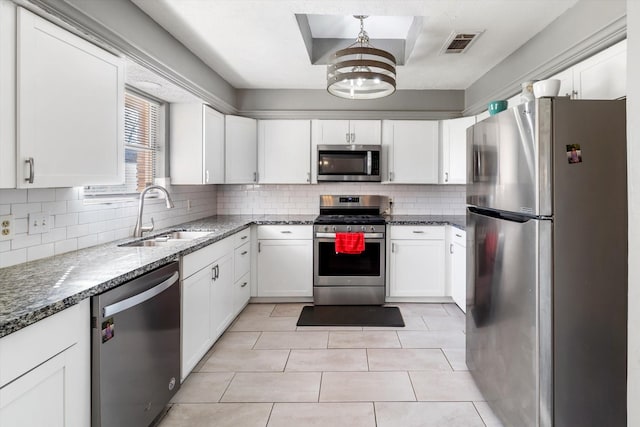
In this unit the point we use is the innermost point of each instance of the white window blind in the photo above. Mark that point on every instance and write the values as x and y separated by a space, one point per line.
141 142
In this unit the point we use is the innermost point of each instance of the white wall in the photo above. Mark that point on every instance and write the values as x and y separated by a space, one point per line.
77 225
304 199
633 151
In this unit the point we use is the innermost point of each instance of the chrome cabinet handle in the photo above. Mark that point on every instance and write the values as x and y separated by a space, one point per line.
286 232
259 246
393 247
255 177
244 284
206 176
308 176
32 171
418 231
347 136
353 137
458 235
390 176
450 248
446 177
243 237
244 253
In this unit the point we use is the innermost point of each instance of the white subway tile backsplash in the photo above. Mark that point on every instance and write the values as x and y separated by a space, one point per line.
13 196
41 195
22 210
78 225
40 251
65 246
13 257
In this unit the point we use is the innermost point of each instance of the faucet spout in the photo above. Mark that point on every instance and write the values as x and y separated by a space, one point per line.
139 228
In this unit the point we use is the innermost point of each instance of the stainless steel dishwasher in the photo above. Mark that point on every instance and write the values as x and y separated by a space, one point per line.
135 346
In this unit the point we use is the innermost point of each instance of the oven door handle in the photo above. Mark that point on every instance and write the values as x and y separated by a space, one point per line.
366 235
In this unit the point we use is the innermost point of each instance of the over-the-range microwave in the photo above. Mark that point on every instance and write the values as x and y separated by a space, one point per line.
349 163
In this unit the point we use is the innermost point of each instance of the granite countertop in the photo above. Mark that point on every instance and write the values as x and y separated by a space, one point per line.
34 290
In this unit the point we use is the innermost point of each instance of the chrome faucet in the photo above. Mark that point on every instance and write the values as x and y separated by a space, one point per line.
139 229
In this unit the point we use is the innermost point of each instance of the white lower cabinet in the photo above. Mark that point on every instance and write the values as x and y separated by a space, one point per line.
417 261
221 295
457 266
285 261
207 299
45 376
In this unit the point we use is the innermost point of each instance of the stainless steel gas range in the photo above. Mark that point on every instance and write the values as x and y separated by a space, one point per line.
356 277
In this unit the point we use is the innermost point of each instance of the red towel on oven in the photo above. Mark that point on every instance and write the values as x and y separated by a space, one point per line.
349 243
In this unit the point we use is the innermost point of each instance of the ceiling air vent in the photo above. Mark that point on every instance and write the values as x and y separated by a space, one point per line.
459 42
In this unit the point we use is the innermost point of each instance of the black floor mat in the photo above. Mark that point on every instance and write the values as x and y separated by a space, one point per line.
350 315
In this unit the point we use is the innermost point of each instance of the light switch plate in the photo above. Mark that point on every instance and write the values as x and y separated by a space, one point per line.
6 227
39 222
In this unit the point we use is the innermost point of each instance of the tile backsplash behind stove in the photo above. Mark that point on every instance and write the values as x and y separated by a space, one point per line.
304 199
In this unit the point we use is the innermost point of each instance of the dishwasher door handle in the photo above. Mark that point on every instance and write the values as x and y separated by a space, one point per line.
112 309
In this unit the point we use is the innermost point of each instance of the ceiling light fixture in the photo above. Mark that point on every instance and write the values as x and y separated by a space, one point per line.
361 71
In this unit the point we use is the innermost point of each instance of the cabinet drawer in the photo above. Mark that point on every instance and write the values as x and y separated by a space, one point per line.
25 349
409 232
241 292
242 237
458 236
276 232
242 260
196 261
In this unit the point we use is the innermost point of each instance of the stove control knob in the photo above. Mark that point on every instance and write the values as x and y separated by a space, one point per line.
348 228
326 228
373 229
334 228
363 228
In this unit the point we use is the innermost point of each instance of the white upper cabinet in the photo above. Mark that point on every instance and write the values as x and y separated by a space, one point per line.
70 108
601 76
241 150
454 150
604 75
197 144
412 151
361 132
284 151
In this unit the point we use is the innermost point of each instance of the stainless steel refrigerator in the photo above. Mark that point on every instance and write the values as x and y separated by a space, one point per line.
547 262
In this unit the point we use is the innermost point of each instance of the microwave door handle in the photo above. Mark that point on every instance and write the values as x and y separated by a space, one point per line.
369 162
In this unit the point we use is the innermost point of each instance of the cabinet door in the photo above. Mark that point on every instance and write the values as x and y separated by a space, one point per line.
365 132
213 148
70 117
241 150
285 268
454 150
459 274
241 293
221 295
196 319
566 83
417 268
334 132
604 75
46 395
413 151
284 151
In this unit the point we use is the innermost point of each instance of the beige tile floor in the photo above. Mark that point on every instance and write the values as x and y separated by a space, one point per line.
267 372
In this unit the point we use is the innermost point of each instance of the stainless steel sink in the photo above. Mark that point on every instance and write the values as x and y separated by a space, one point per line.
169 239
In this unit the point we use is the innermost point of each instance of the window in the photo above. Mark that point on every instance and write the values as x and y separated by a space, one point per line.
142 141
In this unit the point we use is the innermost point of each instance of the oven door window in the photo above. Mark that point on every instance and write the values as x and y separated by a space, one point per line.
342 163
365 264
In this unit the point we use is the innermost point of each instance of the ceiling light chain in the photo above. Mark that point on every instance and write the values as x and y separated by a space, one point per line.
361 71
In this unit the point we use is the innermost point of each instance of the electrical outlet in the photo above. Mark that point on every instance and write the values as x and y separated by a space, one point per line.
6 227
39 222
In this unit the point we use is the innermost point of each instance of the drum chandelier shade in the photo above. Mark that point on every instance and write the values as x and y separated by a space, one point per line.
361 71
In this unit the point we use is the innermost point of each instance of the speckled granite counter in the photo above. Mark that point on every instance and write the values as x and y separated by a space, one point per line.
458 221
32 291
